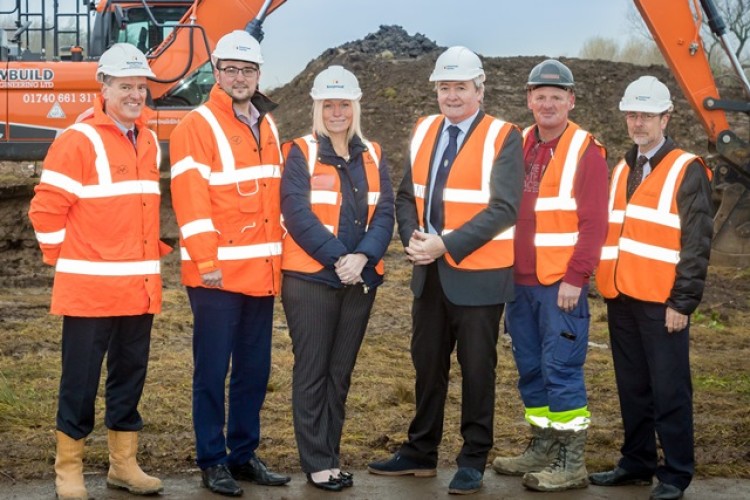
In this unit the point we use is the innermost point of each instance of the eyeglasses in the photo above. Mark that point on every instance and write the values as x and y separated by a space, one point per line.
643 116
233 71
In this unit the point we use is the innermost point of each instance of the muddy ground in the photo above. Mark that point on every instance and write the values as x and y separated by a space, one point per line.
380 405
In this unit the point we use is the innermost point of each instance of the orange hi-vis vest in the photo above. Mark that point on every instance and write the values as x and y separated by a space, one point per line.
467 188
326 199
640 255
556 207
226 196
96 217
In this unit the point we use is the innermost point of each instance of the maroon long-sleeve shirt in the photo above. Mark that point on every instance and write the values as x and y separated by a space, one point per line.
590 188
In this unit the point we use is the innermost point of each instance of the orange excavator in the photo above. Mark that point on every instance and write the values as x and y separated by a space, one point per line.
45 86
676 26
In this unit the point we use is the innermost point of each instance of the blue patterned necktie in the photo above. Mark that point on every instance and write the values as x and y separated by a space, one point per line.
436 205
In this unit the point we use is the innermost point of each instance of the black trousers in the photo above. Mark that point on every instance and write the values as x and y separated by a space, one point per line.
126 341
652 369
326 326
439 326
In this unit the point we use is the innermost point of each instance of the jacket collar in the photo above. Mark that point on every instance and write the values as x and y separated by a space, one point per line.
101 118
356 147
261 102
668 146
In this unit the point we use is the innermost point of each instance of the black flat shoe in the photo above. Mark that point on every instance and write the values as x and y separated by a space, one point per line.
346 479
332 484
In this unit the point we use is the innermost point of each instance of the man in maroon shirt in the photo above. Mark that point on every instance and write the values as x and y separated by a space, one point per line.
561 227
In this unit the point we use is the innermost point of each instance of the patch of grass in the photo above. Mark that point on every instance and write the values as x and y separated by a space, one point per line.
381 399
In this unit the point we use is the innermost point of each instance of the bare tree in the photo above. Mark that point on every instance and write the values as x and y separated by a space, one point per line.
736 16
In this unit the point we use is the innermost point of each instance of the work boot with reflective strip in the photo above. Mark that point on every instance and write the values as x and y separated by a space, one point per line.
539 453
568 470
124 472
69 483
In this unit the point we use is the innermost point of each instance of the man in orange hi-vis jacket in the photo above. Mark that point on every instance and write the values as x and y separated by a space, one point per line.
96 217
226 173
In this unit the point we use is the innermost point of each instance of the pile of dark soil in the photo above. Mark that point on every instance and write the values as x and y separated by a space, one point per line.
393 71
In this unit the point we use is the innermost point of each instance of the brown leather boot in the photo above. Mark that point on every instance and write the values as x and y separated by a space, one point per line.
69 483
124 472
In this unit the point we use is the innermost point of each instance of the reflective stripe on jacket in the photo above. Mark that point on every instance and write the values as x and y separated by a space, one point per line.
326 199
95 213
225 192
642 250
467 189
556 208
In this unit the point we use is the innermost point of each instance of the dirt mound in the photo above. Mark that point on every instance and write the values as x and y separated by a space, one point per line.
393 70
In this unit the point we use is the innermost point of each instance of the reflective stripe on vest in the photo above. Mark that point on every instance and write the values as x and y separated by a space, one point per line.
326 203
643 240
556 207
467 188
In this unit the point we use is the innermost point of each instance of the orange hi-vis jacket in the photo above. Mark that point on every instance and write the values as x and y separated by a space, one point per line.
96 217
467 188
225 194
556 207
326 198
640 255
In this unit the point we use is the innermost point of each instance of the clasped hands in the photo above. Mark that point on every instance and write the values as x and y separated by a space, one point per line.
349 268
424 248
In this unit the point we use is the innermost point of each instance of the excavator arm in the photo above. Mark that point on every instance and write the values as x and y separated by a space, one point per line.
675 27
186 49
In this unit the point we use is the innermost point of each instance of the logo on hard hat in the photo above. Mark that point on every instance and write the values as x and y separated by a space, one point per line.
450 66
642 98
550 76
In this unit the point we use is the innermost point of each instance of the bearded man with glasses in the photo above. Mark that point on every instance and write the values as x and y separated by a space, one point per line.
226 174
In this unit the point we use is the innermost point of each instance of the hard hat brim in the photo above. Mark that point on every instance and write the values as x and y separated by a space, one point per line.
347 96
645 108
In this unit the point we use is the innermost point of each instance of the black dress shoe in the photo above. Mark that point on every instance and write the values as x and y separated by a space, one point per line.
333 484
346 479
619 477
664 491
219 480
256 471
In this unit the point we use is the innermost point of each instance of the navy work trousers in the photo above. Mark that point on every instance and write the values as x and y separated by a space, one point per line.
237 327
549 346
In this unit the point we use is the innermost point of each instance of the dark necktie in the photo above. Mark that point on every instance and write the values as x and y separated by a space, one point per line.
444 167
636 176
131 137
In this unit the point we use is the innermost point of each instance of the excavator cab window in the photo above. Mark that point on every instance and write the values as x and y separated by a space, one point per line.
141 32
192 91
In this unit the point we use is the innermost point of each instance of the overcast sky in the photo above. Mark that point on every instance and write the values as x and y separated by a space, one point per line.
300 30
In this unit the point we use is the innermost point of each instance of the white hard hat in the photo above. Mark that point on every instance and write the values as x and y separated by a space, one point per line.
646 95
336 82
123 59
457 64
238 45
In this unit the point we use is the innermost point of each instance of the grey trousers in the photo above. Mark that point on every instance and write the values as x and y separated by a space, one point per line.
326 326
